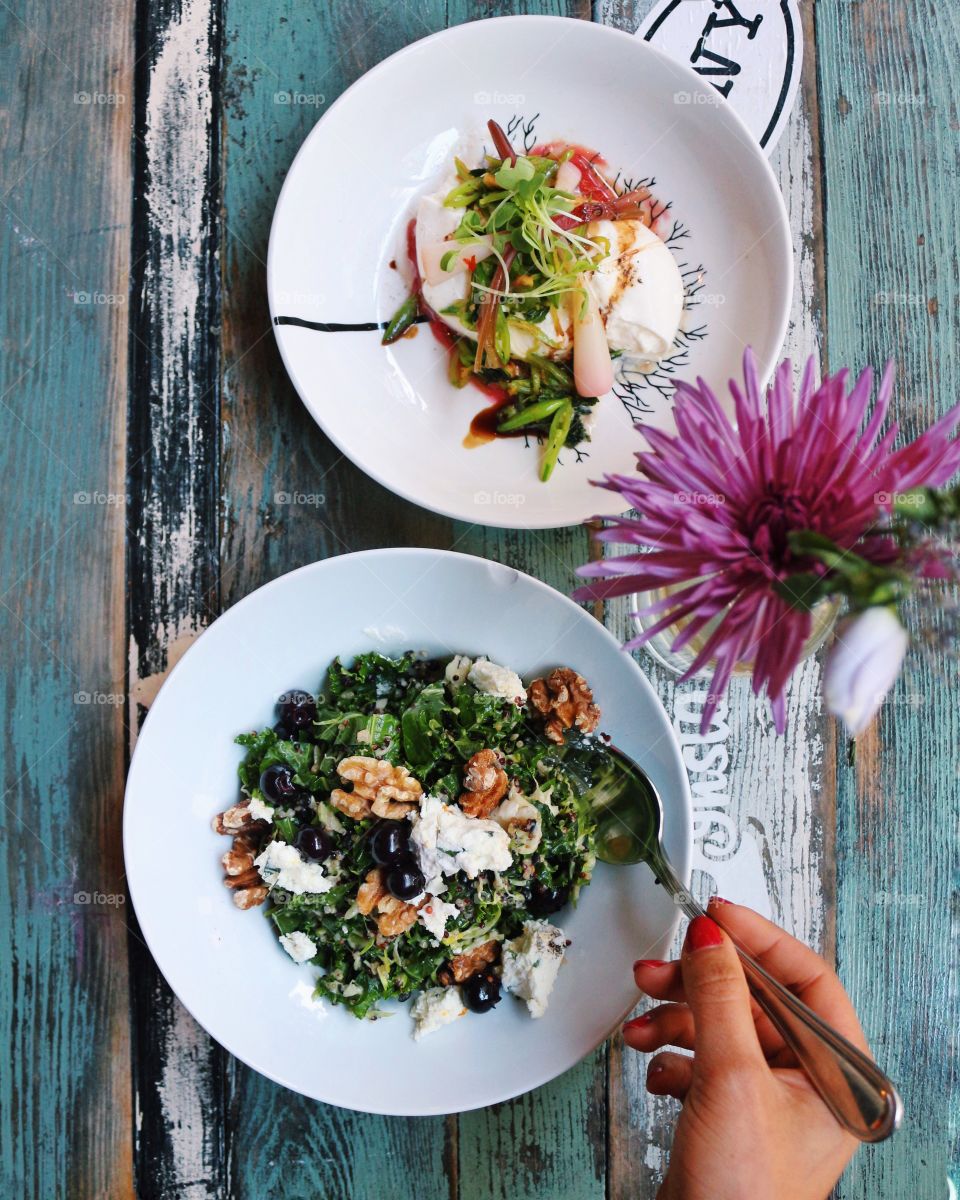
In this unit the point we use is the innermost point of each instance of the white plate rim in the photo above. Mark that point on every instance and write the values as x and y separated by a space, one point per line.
765 365
681 808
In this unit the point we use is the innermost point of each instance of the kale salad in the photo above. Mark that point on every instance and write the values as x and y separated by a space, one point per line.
410 829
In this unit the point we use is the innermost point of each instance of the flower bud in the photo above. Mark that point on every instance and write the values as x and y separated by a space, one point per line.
863 662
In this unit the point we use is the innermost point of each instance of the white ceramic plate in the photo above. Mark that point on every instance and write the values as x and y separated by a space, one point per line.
342 215
227 966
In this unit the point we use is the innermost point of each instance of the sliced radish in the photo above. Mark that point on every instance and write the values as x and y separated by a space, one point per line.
432 255
592 366
568 177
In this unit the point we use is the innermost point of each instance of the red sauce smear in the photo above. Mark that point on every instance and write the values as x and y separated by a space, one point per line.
594 185
483 427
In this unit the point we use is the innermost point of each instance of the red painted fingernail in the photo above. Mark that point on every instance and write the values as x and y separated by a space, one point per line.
655 1068
702 934
719 900
638 1022
650 962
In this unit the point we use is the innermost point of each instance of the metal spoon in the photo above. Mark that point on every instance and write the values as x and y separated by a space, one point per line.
629 815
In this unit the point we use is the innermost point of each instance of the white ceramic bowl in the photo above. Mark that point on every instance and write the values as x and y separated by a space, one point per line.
227 966
342 214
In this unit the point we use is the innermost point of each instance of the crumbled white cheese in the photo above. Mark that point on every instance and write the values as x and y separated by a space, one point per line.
435 1008
531 962
300 948
495 680
282 865
434 916
458 668
445 841
259 811
520 819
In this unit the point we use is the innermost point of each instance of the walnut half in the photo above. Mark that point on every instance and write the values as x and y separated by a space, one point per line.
380 789
459 969
565 700
485 782
240 875
393 916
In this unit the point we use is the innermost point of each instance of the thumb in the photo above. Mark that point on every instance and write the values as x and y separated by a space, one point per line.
717 993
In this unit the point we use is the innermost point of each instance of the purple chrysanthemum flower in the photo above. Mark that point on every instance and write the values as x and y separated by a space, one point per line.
718 499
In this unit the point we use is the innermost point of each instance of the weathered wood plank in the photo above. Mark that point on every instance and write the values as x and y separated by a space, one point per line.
547 1145
272 449
65 1105
282 1144
889 96
763 832
173 534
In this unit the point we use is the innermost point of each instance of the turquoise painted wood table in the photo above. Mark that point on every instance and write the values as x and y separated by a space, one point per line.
148 429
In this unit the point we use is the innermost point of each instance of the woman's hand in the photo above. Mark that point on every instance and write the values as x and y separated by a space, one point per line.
752 1127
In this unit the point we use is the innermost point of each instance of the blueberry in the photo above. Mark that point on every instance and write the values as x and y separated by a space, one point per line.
314 843
405 880
277 784
298 710
481 992
389 842
546 900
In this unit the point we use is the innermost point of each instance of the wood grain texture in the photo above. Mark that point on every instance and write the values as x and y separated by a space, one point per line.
282 1144
889 99
173 527
271 56
762 813
65 1104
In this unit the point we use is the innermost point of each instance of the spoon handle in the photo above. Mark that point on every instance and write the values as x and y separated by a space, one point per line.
863 1100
